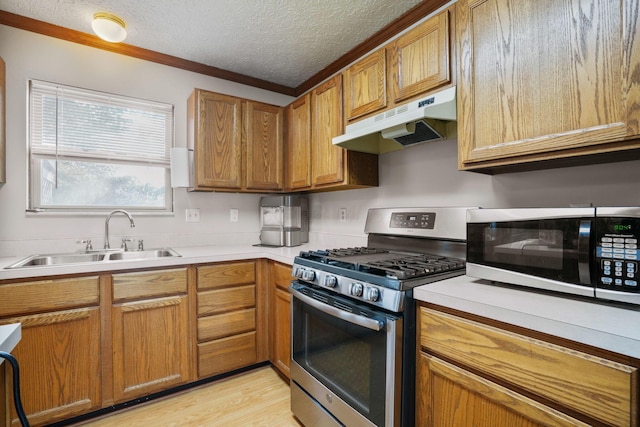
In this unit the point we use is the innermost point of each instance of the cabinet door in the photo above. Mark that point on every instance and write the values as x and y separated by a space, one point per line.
298 144
326 107
450 396
545 79
281 317
419 59
365 85
150 346
217 140
59 357
264 162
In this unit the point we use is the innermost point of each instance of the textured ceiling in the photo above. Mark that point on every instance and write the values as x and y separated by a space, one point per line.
280 41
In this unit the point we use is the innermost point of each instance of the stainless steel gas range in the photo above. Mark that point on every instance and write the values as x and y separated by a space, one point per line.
354 317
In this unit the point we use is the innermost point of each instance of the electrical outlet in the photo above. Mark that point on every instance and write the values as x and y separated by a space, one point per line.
343 214
192 215
233 215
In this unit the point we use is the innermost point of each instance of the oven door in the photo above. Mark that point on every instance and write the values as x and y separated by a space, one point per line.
346 357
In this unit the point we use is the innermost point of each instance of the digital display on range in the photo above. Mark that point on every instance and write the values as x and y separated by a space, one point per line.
413 220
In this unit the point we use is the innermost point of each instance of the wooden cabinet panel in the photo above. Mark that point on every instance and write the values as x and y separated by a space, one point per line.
222 325
451 396
298 144
544 369
48 295
365 85
149 284
215 134
60 361
222 300
327 160
280 313
419 60
264 164
223 355
226 274
150 346
565 89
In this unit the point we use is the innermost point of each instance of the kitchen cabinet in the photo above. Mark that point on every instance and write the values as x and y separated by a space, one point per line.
150 318
60 352
472 373
419 60
298 144
280 314
366 85
334 167
568 90
230 304
237 143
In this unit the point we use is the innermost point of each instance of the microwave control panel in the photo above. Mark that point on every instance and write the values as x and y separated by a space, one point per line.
617 253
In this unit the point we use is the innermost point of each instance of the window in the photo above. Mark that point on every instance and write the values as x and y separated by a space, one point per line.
92 151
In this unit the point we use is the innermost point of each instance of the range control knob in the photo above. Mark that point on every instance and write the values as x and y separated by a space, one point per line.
356 289
372 294
308 275
298 272
331 281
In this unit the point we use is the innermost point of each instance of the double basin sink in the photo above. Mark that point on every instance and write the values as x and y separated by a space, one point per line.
85 257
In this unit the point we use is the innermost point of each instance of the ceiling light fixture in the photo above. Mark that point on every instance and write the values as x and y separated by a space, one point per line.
109 27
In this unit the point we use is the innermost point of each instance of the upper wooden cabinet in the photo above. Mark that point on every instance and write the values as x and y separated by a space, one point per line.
237 143
334 167
546 80
419 60
366 85
298 144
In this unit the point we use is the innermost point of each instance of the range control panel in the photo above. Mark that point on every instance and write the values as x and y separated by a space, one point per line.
413 220
617 253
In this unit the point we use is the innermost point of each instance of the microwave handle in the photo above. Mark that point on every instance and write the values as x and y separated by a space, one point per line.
365 322
584 251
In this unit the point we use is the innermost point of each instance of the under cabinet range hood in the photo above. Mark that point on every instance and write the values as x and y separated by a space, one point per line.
424 119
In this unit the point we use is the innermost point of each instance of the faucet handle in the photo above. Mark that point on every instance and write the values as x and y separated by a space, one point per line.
124 243
88 247
140 245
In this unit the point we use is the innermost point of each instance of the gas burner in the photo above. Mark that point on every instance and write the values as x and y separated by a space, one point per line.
415 266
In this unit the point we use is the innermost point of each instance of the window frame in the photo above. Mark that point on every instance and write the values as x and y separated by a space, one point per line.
36 156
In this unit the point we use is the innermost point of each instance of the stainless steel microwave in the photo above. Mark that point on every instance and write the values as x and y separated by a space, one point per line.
584 251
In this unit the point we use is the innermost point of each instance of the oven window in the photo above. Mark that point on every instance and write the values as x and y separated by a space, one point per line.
348 359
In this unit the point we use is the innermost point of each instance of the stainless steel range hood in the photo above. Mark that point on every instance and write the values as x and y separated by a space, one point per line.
425 119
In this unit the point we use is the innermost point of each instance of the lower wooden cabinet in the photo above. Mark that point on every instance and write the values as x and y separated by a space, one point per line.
228 314
150 332
474 374
60 350
280 314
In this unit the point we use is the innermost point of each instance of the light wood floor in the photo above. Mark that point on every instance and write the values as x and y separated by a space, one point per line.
255 398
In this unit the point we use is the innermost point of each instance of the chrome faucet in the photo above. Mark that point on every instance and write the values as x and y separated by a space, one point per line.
106 225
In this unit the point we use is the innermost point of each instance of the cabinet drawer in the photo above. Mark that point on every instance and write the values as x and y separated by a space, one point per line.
225 300
599 388
226 354
48 295
149 284
222 275
223 325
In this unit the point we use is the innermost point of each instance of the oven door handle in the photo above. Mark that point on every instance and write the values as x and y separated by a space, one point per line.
366 322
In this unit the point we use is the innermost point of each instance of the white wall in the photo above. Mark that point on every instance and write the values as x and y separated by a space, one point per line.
423 175
29 55
427 175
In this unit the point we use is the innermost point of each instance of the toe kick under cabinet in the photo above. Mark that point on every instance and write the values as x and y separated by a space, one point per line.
472 373
228 312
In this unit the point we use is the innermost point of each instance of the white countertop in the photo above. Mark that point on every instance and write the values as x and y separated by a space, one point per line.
189 255
607 326
9 337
